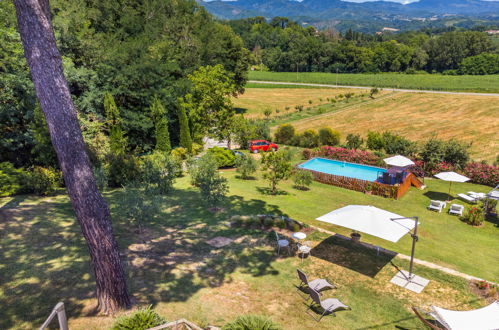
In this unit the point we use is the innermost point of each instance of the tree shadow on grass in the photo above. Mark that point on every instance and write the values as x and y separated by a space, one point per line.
268 191
44 258
341 251
439 196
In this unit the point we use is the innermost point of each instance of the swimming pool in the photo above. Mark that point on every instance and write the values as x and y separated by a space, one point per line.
336 167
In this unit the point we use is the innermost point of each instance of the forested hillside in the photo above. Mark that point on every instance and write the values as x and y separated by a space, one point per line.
136 52
284 45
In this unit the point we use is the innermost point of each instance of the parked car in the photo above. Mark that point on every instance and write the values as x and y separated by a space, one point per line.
262 145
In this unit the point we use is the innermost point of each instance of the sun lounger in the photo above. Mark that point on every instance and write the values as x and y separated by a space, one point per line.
456 209
436 206
476 195
330 305
318 284
467 198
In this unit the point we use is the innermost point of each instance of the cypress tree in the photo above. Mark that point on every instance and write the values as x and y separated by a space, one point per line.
158 114
185 135
116 135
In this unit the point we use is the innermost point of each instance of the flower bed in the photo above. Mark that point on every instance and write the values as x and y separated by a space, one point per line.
482 173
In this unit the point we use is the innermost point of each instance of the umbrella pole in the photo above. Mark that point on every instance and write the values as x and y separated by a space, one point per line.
414 240
450 185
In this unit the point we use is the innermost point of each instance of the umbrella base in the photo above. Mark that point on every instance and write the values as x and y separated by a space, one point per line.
415 283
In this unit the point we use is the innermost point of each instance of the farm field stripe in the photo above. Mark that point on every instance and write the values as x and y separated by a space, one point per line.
367 87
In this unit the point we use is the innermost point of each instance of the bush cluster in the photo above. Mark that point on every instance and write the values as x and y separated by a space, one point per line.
390 143
482 173
142 319
343 154
11 179
44 181
224 157
251 322
286 134
246 166
474 216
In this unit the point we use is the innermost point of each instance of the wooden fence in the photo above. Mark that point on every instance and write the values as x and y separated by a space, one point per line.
375 188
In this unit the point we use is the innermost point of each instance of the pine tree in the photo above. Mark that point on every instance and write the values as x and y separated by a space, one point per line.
160 120
185 135
116 135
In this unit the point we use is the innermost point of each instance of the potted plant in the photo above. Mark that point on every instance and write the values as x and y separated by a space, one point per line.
482 285
355 236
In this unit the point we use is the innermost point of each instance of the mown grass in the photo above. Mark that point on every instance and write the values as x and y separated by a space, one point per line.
43 259
437 82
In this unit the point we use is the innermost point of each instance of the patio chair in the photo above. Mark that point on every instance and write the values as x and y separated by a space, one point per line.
436 206
467 198
303 250
282 243
318 284
330 305
456 209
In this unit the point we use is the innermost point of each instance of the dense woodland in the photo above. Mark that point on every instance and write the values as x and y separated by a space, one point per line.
283 45
137 53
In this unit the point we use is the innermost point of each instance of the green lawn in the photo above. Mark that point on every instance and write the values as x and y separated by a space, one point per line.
43 259
486 84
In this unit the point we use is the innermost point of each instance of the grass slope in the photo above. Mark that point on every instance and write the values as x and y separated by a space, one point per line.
486 84
471 119
44 259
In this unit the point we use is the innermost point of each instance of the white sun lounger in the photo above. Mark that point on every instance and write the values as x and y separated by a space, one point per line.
467 198
436 206
477 195
456 209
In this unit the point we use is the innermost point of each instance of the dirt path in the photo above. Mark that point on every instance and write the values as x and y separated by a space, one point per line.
369 87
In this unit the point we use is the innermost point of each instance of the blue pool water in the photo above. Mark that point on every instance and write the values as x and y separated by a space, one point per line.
335 167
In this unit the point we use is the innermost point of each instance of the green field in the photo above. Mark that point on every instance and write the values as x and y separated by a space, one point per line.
45 260
437 82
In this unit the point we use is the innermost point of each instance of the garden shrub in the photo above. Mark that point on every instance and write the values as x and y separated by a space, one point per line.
101 177
141 319
482 173
44 181
347 155
474 216
246 166
394 144
204 175
309 139
354 141
307 153
285 134
251 322
224 157
329 137
268 222
456 153
11 179
196 148
303 179
158 173
280 223
180 153
432 152
294 227
123 169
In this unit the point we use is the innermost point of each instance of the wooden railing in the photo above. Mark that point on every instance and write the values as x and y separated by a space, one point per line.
61 316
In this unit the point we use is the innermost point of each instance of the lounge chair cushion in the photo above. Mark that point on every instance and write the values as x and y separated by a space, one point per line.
320 284
332 304
467 198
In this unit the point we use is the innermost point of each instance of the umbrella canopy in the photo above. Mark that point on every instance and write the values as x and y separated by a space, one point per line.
370 220
452 177
484 318
398 161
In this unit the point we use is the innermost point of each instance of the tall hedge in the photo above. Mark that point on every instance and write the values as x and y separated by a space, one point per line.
158 114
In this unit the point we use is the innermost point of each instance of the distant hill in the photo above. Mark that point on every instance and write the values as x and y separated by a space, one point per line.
367 16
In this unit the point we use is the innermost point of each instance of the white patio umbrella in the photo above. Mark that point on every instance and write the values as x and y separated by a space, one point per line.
483 318
398 161
451 177
370 220
376 222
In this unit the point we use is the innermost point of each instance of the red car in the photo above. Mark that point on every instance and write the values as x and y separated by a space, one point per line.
262 145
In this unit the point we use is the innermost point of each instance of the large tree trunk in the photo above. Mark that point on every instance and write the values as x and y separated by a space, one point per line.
91 210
